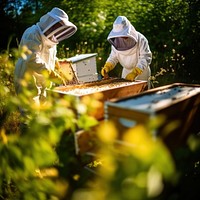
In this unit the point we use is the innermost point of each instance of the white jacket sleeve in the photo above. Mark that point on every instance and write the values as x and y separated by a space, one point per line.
144 52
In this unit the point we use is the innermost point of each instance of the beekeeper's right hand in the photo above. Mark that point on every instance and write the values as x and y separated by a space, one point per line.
56 78
106 68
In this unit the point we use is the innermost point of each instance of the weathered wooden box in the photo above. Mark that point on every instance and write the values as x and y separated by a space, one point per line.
110 88
179 103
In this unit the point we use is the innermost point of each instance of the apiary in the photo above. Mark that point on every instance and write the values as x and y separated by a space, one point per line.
83 66
178 103
109 88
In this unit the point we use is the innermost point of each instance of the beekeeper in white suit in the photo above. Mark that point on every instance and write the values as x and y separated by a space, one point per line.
130 48
42 39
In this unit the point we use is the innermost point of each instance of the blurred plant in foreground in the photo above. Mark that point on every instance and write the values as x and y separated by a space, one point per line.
30 167
136 167
38 158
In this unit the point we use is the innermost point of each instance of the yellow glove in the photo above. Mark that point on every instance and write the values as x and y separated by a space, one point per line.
56 78
131 76
106 68
57 65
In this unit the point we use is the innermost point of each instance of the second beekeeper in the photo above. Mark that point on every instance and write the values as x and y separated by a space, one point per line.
131 49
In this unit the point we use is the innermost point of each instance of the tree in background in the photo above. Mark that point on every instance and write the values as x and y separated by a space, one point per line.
172 28
191 38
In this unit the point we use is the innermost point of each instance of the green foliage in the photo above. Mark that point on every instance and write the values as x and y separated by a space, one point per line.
171 28
31 165
165 31
38 159
132 169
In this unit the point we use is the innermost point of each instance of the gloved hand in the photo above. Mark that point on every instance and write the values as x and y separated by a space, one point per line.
131 76
57 65
106 68
56 78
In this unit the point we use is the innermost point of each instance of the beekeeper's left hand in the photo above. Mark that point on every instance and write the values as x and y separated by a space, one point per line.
135 72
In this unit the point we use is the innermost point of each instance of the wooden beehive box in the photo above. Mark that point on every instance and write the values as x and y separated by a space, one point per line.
176 102
112 88
84 67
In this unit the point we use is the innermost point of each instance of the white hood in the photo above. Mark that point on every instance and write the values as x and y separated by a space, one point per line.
123 28
55 25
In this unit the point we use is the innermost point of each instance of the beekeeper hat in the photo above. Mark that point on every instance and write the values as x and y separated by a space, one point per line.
123 28
60 15
56 23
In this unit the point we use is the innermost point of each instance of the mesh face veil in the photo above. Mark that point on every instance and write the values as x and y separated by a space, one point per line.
59 31
55 25
123 36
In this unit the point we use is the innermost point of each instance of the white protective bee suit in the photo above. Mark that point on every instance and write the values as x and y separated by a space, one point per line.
130 48
42 40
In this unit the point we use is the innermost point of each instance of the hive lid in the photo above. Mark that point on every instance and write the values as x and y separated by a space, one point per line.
158 98
80 57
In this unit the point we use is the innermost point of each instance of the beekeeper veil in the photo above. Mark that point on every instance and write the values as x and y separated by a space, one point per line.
55 25
123 35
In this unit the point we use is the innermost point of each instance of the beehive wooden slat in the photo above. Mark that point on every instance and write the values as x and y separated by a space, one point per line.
178 106
111 89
